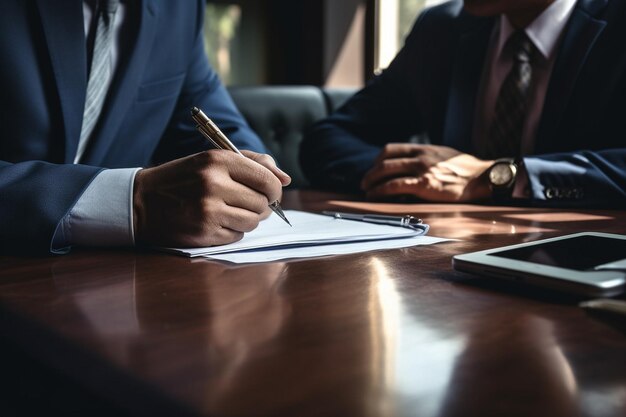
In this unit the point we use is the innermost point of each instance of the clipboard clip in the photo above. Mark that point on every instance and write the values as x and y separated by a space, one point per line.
401 221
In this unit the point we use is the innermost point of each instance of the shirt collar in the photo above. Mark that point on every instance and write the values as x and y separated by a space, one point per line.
544 31
91 3
94 3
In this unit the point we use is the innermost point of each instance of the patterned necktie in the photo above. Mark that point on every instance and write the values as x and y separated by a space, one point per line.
505 136
100 74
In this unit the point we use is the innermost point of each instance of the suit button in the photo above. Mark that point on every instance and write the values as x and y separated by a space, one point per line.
578 193
566 193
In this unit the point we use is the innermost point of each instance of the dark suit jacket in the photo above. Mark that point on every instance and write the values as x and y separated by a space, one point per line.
432 87
43 78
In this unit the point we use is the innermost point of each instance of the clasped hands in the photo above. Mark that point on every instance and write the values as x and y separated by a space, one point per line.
427 172
210 198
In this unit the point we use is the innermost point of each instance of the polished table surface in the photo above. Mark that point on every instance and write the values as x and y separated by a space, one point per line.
384 333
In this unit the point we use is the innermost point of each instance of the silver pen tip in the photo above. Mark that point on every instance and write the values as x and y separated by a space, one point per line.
275 206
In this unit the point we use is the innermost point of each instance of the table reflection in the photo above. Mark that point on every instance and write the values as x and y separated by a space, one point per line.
412 360
266 336
437 365
382 333
139 319
528 357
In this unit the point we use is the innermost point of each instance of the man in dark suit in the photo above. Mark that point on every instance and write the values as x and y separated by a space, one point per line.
88 85
522 100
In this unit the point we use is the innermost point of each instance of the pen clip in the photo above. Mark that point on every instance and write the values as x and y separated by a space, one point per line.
210 131
208 136
408 221
402 221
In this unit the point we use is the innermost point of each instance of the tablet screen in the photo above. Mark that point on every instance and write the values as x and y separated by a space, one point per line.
579 253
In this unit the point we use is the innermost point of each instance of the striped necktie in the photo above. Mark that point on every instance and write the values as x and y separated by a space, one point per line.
100 73
505 135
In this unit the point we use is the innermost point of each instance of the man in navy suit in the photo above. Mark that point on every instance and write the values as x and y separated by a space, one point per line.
450 83
58 190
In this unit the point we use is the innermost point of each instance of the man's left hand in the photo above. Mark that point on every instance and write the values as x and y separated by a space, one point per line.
428 172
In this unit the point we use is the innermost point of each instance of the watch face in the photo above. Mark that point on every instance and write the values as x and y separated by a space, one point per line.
501 174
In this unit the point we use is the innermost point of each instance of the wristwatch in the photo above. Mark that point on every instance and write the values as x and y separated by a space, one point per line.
502 176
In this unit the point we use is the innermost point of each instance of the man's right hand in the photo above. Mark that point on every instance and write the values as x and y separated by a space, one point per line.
210 198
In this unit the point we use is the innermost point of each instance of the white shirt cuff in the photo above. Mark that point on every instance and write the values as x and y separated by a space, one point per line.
103 215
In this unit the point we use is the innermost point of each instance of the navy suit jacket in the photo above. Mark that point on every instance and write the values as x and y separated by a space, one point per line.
145 121
432 87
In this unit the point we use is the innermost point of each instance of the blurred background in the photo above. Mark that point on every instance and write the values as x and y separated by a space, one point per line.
329 43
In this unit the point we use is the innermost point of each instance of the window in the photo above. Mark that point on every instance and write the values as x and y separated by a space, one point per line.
235 40
322 42
221 22
394 19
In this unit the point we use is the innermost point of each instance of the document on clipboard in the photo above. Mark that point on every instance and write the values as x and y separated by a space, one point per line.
313 235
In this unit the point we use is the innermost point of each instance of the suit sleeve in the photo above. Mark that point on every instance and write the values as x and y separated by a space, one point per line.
204 89
34 197
337 151
583 179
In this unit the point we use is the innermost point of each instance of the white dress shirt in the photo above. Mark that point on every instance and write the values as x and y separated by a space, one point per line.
545 33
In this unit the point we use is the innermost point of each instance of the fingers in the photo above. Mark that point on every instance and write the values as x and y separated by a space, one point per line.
400 150
269 163
210 198
216 237
439 166
432 186
396 160
232 218
397 187
257 178
241 196
221 171
390 168
210 223
429 172
213 222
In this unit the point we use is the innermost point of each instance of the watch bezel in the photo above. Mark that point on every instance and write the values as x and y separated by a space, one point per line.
505 189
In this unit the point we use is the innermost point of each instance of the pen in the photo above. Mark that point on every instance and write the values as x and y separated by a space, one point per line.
402 221
605 304
213 133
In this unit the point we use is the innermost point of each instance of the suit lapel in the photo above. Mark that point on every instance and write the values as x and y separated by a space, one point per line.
125 84
581 33
62 21
466 75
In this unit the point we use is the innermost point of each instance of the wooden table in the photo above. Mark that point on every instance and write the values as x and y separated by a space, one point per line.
384 333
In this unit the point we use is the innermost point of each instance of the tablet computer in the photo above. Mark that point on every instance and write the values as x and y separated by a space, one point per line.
588 263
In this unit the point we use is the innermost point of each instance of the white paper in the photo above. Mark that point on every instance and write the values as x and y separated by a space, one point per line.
269 255
308 230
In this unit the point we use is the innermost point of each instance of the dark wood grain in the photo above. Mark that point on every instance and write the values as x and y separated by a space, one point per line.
383 333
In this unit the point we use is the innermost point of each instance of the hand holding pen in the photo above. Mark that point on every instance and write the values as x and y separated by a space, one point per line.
210 131
206 199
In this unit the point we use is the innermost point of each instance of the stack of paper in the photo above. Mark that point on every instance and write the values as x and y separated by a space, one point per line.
311 235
